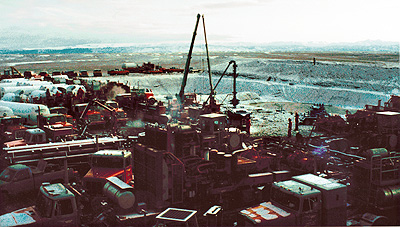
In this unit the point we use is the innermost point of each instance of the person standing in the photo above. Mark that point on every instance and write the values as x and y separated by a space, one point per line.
290 128
80 94
296 122
48 97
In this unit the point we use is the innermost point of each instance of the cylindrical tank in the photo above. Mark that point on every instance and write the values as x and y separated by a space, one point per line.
6 111
38 94
33 83
11 83
27 111
12 80
228 163
212 155
26 90
11 97
376 151
129 65
388 196
122 197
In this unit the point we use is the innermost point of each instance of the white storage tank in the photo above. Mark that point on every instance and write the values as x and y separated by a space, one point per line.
27 111
129 65
26 90
33 83
6 111
37 94
11 97
13 80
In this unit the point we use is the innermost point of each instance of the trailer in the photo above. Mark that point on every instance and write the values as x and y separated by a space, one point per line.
53 152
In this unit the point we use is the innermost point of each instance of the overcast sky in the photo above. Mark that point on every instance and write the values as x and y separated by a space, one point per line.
261 21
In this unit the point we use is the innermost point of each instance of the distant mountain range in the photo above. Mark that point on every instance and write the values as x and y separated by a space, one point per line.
74 46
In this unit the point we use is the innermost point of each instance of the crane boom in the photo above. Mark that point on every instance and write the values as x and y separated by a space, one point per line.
16 70
186 72
208 58
234 101
91 103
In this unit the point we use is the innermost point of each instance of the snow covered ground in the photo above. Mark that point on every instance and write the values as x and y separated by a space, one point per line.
260 81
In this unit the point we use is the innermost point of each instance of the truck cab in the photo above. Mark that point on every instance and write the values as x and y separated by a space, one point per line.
292 203
304 200
13 127
108 163
97 72
55 206
93 117
120 115
31 136
63 110
83 73
20 178
56 126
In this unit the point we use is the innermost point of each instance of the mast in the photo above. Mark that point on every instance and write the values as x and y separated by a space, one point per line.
189 57
208 62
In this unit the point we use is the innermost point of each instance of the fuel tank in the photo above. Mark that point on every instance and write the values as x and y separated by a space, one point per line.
119 192
388 196
382 152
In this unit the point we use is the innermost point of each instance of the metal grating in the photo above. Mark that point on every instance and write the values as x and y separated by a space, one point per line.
175 214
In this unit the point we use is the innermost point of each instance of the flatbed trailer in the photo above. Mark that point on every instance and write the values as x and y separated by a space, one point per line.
30 154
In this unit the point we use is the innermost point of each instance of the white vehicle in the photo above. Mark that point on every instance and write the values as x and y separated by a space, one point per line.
27 111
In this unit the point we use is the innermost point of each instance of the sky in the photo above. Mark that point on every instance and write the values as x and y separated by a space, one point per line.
163 21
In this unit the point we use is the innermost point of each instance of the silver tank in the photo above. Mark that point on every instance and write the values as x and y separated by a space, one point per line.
376 151
388 196
119 192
